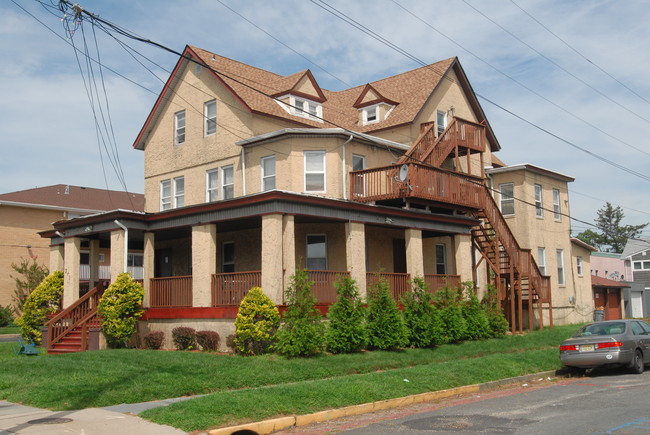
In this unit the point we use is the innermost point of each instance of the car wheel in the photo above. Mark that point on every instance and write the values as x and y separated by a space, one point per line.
578 372
637 362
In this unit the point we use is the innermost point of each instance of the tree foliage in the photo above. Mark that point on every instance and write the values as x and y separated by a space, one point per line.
449 321
302 332
612 235
257 321
42 301
418 314
120 308
30 275
385 324
492 307
476 319
346 330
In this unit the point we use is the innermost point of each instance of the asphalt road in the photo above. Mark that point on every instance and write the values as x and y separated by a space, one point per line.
613 402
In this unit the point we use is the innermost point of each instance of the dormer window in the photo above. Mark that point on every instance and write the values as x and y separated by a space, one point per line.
306 108
370 115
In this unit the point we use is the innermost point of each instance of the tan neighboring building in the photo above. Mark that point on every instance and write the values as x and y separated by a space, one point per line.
250 175
24 213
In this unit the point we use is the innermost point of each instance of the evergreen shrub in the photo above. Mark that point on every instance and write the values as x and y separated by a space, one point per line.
257 321
346 331
450 325
496 319
6 315
418 314
41 302
476 319
120 308
385 324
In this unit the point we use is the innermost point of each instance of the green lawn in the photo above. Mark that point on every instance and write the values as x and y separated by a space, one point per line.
251 388
13 329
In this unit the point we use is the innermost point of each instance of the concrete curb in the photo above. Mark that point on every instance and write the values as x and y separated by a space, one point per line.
275 424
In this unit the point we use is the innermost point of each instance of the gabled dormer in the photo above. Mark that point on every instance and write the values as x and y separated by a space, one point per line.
372 106
301 96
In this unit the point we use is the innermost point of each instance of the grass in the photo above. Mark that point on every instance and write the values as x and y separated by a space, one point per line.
252 388
11 329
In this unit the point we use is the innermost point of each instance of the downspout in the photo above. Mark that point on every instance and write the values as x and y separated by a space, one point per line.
243 171
345 173
126 243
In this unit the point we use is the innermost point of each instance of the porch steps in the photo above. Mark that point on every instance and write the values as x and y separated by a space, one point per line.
72 342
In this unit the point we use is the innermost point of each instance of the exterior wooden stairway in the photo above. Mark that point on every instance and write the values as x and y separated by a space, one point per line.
513 269
68 331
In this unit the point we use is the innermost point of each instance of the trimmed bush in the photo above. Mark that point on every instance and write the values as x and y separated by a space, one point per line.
302 332
42 301
418 314
208 340
120 308
230 343
478 325
450 325
346 331
496 319
256 323
6 315
385 324
184 338
154 340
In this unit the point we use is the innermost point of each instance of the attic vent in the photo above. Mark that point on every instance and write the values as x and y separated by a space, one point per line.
67 190
197 68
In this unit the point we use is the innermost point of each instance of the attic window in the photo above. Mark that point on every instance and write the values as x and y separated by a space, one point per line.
306 108
370 115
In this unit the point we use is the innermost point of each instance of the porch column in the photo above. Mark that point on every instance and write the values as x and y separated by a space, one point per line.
462 249
288 250
56 257
204 263
93 263
355 251
414 256
72 259
117 253
148 265
272 255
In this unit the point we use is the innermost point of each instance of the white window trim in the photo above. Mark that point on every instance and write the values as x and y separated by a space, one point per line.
222 180
539 195
579 266
324 171
292 109
444 258
561 275
207 119
508 198
177 128
541 260
557 208
175 193
209 189
165 200
365 112
263 175
439 131
307 249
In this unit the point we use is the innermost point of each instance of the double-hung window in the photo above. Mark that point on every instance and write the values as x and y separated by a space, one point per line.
268 173
560 268
541 260
507 194
179 127
179 192
314 171
441 260
370 115
210 117
212 185
227 182
358 164
308 109
165 195
579 265
441 121
556 205
316 252
539 207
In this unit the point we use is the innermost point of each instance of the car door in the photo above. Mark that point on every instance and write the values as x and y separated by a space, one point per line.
642 335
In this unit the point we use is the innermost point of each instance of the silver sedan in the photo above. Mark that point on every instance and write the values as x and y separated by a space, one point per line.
608 344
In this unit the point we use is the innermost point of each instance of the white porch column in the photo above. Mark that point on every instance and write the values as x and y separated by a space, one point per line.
93 263
414 253
56 257
204 263
148 266
72 259
355 251
117 253
462 249
272 256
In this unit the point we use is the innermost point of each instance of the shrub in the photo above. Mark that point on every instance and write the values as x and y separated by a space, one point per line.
256 323
230 342
184 337
418 314
496 319
208 340
154 340
31 274
6 315
302 332
42 301
346 331
120 308
385 324
450 325
478 325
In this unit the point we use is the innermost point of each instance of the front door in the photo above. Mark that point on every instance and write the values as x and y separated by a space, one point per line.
163 263
399 256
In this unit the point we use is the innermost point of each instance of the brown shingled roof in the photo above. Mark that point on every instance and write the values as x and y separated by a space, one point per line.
599 281
77 197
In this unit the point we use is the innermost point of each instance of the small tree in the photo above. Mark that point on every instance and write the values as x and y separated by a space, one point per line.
120 308
450 323
385 324
496 319
6 315
611 235
476 319
256 323
30 275
302 332
42 301
418 314
346 331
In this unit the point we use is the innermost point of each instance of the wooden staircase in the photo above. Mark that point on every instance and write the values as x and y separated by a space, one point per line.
68 331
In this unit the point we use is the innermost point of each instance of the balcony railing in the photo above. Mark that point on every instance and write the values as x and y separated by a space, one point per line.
397 282
437 282
171 292
323 288
230 288
104 272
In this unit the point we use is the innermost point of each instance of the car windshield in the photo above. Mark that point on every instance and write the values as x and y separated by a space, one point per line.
611 328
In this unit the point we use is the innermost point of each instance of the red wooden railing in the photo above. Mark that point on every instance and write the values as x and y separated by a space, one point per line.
230 288
323 284
170 292
399 283
80 314
437 282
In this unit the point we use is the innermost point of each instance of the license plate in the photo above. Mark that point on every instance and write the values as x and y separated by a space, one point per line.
587 348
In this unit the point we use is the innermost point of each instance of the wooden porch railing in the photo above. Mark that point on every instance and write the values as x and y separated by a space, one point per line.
398 282
437 282
323 288
80 314
171 292
230 288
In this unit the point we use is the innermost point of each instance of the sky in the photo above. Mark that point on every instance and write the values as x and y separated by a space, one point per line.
564 84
